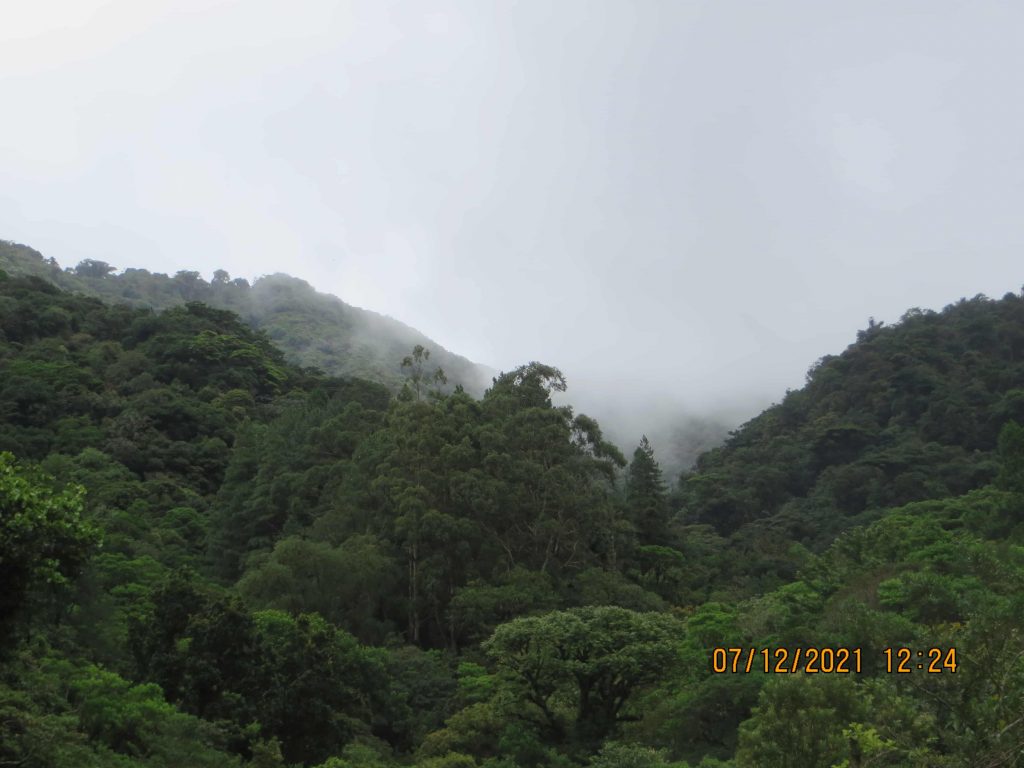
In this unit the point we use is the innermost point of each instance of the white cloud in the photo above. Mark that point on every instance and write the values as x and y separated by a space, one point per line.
608 187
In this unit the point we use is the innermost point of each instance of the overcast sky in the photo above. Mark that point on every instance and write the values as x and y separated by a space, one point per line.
683 202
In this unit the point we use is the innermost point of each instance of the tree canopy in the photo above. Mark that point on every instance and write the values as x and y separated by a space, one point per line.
213 556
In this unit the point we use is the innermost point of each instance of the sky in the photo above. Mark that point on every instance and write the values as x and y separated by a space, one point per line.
680 204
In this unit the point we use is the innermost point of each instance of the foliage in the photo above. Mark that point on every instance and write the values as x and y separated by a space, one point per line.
313 329
304 570
911 411
59 714
587 661
43 537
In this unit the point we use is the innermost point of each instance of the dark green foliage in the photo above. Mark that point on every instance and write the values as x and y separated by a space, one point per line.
575 671
44 539
310 685
647 496
911 411
300 570
349 584
285 474
1011 455
776 736
59 714
314 329
318 686
453 515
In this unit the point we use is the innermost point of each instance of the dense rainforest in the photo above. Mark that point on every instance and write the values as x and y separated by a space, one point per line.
214 556
312 329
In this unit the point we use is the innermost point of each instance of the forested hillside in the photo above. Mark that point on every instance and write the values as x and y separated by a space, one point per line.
906 413
214 557
311 328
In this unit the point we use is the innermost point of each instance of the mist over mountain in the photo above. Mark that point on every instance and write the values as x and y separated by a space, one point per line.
313 329
321 330
678 432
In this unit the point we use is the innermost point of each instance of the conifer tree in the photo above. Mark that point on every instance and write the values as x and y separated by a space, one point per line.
647 496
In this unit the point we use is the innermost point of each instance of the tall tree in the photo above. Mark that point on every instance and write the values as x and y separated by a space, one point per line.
93 268
647 496
420 378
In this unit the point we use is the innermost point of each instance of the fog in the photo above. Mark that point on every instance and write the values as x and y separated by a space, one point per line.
681 204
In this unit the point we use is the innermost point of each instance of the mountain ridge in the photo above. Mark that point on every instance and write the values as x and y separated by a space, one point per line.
314 328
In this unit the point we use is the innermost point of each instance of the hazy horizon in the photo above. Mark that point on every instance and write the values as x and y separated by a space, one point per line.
681 205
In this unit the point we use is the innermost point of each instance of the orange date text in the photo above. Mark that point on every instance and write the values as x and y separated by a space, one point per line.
786 660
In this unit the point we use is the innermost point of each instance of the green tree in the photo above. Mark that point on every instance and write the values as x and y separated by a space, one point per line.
44 538
585 662
93 269
1011 455
317 687
419 378
346 584
625 755
647 496
799 722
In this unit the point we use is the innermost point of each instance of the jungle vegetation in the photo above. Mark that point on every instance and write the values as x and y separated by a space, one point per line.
213 555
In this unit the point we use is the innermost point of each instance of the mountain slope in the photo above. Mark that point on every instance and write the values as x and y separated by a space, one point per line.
908 412
314 329
298 570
